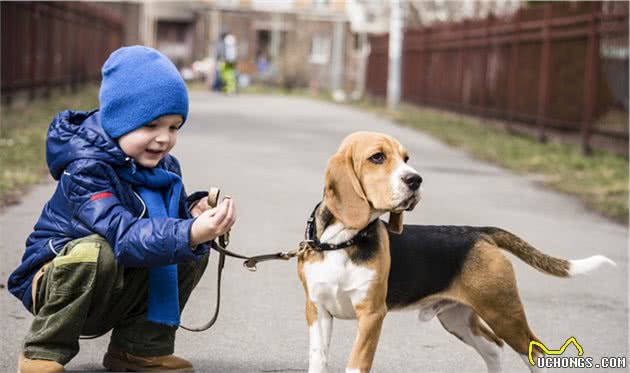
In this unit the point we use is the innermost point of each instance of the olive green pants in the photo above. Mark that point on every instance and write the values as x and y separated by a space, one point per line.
83 291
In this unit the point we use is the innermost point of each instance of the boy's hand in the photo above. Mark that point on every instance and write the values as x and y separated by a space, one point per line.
213 222
200 207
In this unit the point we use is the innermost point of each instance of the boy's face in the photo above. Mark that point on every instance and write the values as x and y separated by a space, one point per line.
150 143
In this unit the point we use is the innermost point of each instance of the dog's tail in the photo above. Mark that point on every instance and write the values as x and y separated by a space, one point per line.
541 261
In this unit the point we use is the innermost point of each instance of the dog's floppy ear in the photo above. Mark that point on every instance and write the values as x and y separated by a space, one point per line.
343 193
395 224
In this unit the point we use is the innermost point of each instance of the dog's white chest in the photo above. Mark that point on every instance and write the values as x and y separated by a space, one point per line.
335 283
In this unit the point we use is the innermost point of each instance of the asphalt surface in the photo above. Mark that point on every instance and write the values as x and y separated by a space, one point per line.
269 153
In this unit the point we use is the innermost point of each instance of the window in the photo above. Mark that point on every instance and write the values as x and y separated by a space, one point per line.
172 32
320 49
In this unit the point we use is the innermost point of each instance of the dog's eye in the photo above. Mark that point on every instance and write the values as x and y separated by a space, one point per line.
406 159
377 158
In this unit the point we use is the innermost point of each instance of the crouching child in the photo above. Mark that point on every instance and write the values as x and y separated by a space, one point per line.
119 246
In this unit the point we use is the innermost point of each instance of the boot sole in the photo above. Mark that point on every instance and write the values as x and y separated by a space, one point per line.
117 365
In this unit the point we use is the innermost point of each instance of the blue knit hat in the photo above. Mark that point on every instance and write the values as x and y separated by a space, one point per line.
139 84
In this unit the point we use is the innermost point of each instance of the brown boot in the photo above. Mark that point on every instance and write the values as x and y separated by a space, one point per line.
123 361
38 366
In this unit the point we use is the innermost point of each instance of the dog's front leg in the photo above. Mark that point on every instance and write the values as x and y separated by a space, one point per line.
320 328
369 330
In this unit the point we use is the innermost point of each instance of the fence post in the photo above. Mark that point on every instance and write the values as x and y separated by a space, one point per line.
512 82
543 82
460 33
425 56
65 60
590 80
72 29
49 26
33 48
11 10
482 110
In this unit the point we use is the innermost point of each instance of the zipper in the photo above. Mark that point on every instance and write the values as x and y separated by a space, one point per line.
144 206
132 164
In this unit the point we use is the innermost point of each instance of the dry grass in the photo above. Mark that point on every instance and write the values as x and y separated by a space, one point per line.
23 130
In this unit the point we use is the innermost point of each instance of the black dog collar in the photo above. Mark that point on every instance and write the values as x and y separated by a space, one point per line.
314 243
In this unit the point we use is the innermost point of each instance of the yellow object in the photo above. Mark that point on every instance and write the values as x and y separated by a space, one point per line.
228 75
554 352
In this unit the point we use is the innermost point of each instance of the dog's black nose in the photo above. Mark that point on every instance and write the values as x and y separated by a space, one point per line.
413 181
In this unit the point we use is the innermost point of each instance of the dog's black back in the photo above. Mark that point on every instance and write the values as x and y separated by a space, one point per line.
425 259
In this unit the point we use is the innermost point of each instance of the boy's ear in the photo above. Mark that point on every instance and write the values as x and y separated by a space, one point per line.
395 224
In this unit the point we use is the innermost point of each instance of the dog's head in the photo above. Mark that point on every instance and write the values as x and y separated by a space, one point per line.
368 176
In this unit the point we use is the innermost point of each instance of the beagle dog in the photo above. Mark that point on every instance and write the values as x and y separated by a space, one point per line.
358 267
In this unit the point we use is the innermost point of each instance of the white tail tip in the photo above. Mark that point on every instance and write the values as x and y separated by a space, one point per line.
587 265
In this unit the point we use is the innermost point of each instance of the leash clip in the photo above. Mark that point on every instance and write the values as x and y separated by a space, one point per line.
304 245
250 265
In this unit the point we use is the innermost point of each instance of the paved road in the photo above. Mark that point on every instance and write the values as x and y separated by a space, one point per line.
270 154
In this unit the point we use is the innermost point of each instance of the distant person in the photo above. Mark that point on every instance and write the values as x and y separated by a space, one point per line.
219 55
227 59
119 245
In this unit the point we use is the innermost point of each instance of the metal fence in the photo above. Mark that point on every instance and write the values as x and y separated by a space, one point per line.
557 68
54 44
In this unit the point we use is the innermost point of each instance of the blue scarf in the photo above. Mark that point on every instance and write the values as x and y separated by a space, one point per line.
160 189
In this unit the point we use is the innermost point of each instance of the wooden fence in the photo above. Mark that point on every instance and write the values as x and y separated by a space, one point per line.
557 66
54 44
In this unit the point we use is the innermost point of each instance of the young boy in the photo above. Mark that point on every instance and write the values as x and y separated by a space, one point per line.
119 245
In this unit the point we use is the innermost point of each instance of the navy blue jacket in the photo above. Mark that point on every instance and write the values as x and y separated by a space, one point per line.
91 198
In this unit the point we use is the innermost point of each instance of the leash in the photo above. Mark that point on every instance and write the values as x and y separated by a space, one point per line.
310 243
250 264
220 245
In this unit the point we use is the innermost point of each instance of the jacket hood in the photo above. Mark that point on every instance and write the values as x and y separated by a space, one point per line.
76 135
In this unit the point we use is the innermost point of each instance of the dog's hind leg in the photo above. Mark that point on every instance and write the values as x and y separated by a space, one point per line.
510 324
463 323
320 328
496 300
